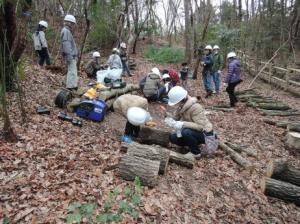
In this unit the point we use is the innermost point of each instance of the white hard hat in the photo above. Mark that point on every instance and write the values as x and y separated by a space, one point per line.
137 116
115 50
43 23
70 18
231 55
123 45
176 94
155 71
96 54
208 47
166 76
216 47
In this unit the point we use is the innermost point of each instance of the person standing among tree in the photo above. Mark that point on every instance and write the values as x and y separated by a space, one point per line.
217 68
124 59
40 43
233 77
207 63
69 51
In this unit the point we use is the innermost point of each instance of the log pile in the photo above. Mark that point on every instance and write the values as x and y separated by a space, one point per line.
282 181
267 106
148 161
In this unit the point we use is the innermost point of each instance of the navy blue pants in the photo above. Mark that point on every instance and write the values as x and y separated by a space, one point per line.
44 57
190 138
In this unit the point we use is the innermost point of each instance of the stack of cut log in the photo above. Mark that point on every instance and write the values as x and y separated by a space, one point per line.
282 181
267 106
236 153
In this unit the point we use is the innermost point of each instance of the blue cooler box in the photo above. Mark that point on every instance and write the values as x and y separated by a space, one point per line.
94 110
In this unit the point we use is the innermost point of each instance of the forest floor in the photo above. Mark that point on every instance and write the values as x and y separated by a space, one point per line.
55 163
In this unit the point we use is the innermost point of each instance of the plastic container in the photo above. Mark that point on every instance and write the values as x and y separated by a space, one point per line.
94 110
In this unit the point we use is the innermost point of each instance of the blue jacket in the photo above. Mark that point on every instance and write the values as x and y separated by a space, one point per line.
234 71
208 61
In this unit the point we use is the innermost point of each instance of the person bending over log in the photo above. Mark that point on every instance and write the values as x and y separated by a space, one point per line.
152 87
136 117
191 124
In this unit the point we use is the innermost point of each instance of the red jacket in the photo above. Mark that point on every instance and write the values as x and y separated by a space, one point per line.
174 76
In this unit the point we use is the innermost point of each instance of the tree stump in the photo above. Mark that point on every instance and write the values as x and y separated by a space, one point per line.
282 190
152 153
154 136
282 170
293 140
146 169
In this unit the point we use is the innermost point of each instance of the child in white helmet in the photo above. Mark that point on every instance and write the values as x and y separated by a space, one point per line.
40 43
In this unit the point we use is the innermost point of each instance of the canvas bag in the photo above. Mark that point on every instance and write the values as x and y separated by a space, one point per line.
211 144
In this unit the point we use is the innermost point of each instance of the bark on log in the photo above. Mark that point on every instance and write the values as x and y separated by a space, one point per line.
249 151
279 113
292 126
282 190
280 124
293 140
282 170
222 109
152 136
236 157
152 153
106 95
146 169
273 106
246 91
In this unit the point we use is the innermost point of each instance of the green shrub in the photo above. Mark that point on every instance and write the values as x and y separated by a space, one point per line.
165 55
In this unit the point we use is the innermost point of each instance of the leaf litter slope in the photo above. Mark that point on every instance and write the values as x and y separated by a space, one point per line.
55 164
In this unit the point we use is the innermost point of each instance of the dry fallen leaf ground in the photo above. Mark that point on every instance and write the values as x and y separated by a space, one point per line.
55 164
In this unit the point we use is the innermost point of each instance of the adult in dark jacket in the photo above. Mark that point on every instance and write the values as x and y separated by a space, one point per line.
207 63
233 77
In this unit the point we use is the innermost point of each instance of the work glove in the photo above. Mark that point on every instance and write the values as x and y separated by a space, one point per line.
170 122
178 125
219 71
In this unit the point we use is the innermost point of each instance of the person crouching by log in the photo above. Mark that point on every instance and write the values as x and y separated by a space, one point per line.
93 66
233 77
136 117
190 122
153 88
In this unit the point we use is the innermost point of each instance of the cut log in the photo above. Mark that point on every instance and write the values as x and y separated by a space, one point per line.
236 157
71 106
292 126
154 136
249 96
280 124
108 94
177 158
293 140
246 91
149 152
282 170
238 148
263 100
273 106
146 169
279 113
282 190
222 109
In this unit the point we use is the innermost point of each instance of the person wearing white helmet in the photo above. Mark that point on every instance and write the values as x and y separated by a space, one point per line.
207 63
136 117
153 88
184 72
233 77
69 51
40 43
114 60
93 65
124 59
190 121
217 68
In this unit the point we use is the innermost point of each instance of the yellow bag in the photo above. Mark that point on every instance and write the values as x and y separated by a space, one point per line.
91 94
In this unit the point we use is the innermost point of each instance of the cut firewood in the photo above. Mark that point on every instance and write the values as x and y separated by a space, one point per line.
147 170
293 140
177 158
282 170
273 106
236 157
280 124
152 153
108 94
246 91
294 126
280 189
278 113
154 136
222 109
247 150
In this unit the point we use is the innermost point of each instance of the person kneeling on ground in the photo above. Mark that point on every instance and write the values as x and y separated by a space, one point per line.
153 89
190 123
233 77
114 60
93 65
136 117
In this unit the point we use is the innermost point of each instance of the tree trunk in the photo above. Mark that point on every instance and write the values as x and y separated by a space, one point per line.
146 169
187 34
282 170
293 140
282 190
236 157
154 136
149 152
106 95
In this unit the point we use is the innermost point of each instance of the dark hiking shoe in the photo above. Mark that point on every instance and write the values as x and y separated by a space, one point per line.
208 94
